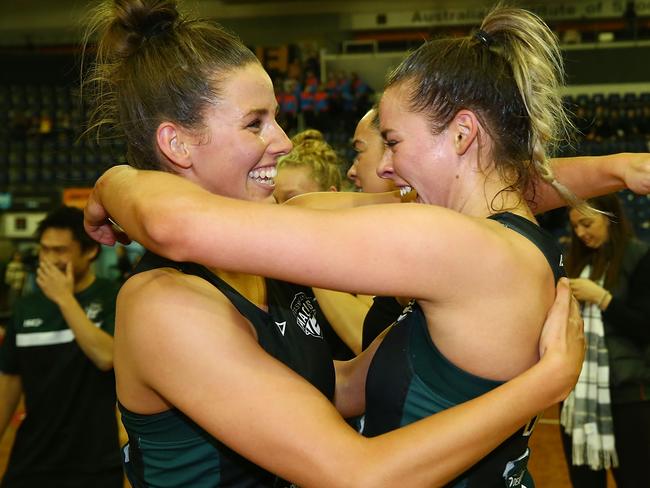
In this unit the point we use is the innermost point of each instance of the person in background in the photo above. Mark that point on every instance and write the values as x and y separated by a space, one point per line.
314 166
311 166
15 277
58 352
606 418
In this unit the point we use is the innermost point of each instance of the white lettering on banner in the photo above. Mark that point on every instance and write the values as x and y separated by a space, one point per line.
472 15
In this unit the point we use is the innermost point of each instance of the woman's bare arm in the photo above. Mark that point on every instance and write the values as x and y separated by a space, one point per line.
178 219
591 176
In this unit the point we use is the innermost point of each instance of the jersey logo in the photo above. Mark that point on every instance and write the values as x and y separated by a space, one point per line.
515 470
282 326
305 312
32 322
405 313
93 310
561 261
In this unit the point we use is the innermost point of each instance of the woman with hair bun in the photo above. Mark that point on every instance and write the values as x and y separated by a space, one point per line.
223 378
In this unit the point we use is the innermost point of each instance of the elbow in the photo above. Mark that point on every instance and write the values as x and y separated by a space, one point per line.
104 364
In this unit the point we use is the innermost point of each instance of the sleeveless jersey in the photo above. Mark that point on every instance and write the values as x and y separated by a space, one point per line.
169 450
410 379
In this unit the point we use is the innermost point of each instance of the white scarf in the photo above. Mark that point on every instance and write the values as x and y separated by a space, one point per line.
586 413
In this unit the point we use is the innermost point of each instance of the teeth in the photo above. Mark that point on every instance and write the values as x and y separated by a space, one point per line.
264 176
404 190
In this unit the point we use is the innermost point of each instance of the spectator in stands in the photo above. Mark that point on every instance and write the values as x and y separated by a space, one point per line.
288 103
58 352
607 417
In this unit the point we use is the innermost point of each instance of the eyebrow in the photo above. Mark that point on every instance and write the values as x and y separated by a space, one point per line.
256 111
384 133
262 111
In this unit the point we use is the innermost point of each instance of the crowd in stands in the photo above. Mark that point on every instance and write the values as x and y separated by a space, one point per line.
610 123
42 143
333 106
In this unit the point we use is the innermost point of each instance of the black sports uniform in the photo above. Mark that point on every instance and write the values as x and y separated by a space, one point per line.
410 379
170 450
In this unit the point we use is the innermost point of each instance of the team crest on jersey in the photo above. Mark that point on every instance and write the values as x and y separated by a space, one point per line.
305 312
93 310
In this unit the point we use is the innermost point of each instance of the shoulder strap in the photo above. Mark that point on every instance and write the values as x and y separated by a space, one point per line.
151 261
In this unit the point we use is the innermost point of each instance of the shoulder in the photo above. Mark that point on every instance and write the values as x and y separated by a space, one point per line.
167 297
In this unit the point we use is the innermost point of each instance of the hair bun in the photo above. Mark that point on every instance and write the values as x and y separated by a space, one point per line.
308 135
139 20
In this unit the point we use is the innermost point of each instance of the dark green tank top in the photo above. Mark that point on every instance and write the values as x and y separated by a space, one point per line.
410 379
169 450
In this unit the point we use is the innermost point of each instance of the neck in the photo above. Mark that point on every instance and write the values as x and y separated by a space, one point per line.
483 195
84 282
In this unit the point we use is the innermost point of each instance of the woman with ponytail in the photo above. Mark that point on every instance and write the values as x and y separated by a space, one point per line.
223 377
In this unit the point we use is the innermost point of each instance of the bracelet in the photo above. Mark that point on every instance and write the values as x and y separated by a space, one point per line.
600 302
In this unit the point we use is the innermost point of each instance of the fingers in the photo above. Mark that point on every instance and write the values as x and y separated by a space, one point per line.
563 298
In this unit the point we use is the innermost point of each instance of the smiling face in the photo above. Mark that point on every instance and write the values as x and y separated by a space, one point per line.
592 229
415 157
369 146
237 153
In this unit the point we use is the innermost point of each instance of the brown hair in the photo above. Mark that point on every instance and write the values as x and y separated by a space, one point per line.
509 73
153 64
310 149
607 259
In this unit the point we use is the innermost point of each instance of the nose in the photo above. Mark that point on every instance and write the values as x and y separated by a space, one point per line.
580 232
385 166
352 172
281 143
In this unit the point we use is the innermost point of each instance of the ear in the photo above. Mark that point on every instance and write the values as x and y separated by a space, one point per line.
172 142
465 127
91 253
332 188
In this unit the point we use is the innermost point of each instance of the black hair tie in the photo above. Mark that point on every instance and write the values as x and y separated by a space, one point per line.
155 29
484 38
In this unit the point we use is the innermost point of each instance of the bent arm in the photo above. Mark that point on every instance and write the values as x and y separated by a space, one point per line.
591 176
178 219
95 343
269 414
336 200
